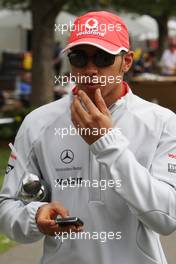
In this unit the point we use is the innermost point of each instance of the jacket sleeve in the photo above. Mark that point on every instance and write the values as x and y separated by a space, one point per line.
149 194
17 220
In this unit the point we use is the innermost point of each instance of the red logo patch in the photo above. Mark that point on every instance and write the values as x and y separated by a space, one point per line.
172 155
13 156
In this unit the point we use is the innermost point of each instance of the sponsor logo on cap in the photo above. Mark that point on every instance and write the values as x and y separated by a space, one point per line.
91 23
91 28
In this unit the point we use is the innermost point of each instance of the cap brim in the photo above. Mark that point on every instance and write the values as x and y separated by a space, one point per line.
99 43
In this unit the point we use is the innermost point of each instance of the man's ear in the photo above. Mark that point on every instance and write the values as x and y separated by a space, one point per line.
127 61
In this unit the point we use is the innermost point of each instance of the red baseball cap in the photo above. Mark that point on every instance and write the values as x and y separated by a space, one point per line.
101 29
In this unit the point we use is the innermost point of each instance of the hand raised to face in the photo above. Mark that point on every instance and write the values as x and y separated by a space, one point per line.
92 120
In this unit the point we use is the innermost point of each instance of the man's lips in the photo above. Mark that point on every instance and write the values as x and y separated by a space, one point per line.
92 85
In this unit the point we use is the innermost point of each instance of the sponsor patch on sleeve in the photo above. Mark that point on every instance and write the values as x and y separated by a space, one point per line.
171 167
13 156
9 168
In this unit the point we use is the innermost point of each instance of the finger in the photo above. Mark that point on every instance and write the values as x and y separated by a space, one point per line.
76 119
59 230
79 109
46 223
77 123
50 211
100 103
79 228
68 229
77 103
46 228
87 102
76 229
58 208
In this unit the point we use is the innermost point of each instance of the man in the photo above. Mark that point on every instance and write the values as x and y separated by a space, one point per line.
168 60
125 142
2 99
57 59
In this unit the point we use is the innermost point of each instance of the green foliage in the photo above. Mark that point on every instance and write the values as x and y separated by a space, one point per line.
16 4
79 7
4 156
5 243
153 8
9 131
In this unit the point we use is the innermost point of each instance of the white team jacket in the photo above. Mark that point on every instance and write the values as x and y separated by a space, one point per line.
142 156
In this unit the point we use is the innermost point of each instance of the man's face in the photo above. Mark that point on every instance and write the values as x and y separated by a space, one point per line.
109 77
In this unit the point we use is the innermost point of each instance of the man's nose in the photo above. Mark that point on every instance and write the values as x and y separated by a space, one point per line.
90 69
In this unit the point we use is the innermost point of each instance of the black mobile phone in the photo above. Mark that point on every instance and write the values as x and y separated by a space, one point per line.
69 221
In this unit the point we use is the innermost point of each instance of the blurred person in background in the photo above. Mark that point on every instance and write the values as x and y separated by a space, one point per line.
24 88
138 64
57 58
2 99
149 62
168 60
27 61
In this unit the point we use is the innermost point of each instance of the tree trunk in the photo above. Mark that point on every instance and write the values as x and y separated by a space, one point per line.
43 16
163 34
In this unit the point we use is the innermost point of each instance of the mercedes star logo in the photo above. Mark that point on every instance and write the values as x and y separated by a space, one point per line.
67 156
